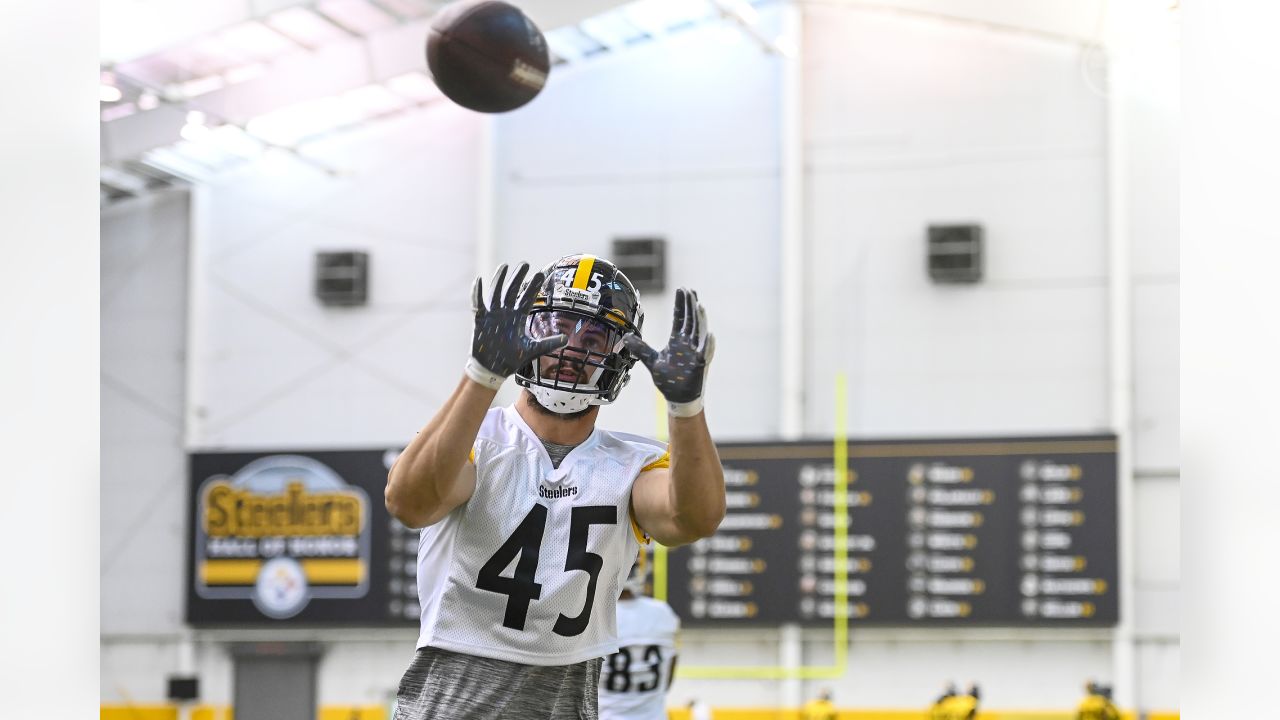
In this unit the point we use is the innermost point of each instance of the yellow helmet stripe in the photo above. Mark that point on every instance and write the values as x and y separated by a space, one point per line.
616 317
583 275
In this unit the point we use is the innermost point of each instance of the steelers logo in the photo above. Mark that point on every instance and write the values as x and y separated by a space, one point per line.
281 589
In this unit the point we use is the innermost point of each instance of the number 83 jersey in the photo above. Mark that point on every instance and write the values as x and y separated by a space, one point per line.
634 680
529 568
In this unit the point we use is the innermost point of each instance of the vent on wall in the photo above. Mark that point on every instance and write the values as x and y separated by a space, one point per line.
184 687
342 278
643 261
955 253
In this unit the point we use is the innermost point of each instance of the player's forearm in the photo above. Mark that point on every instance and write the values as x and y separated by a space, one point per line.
697 479
424 477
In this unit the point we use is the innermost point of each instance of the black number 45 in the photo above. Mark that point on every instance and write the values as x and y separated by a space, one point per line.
526 542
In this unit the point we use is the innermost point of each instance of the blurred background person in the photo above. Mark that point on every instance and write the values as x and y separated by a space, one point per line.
956 706
1096 704
819 708
965 707
699 710
939 709
634 681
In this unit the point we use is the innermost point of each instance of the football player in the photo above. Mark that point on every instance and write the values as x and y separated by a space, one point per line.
1097 704
532 515
635 679
819 708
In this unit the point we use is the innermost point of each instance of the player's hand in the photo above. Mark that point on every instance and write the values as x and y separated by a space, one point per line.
680 369
500 344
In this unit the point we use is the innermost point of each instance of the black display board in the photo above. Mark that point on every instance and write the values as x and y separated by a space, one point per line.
1017 531
298 538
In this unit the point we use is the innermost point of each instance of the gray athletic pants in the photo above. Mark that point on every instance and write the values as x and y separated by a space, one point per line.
444 685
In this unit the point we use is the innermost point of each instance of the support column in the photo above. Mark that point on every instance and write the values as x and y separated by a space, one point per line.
792 358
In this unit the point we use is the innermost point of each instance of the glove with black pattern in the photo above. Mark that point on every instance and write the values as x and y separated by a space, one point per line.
680 370
500 344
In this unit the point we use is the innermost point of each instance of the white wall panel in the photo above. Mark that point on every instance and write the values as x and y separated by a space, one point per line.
134 671
1157 567
1071 18
1031 673
676 139
961 125
1157 507
1150 111
1156 443
890 668
700 101
279 369
144 271
1160 675
1148 62
930 85
364 672
727 648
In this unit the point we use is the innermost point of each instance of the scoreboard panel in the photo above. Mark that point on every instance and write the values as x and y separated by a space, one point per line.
1017 531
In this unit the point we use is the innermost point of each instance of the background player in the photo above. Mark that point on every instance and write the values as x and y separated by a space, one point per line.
634 681
819 708
533 515
1097 704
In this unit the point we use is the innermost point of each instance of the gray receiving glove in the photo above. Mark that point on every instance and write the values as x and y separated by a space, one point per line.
499 344
680 370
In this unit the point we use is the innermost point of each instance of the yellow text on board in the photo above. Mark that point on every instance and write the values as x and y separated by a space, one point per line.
237 512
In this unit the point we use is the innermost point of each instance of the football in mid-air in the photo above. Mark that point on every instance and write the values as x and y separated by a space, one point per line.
487 55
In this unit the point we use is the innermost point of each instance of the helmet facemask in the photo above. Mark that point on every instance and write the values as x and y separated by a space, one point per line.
590 370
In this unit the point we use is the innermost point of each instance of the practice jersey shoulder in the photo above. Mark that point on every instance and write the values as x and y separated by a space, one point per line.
530 567
504 431
646 621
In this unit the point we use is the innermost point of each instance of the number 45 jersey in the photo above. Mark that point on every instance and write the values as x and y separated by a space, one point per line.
529 568
633 681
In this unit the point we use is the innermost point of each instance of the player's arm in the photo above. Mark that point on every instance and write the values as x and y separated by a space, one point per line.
684 502
679 504
433 476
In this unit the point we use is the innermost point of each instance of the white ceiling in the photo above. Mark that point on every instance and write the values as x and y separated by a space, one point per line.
133 28
273 73
1070 19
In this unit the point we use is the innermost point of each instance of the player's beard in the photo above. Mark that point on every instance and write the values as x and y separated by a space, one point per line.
544 410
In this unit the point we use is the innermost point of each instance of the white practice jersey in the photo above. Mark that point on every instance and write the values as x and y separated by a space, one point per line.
633 681
529 568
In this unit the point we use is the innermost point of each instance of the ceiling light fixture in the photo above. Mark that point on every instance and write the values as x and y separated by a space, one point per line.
108 91
195 129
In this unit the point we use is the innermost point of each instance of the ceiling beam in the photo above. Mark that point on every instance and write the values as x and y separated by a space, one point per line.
330 70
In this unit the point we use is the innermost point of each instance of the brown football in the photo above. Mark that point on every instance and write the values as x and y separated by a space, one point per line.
487 55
